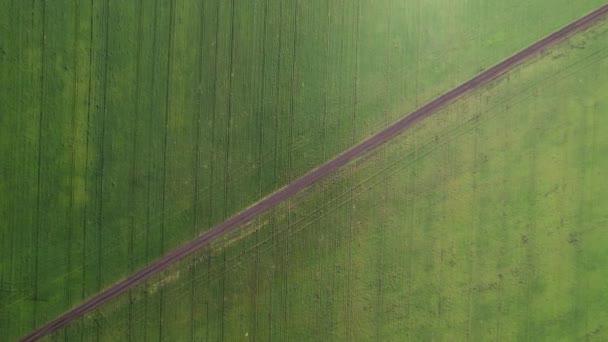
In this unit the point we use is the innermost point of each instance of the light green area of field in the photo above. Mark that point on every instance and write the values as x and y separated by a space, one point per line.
485 221
129 127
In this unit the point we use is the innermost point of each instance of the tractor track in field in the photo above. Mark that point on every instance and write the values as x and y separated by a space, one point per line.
318 173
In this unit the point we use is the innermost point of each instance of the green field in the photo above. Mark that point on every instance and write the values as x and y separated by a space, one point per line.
484 222
129 127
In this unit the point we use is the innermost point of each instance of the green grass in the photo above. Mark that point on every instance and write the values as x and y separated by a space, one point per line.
127 128
483 222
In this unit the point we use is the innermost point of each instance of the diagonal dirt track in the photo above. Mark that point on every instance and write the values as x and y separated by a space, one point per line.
313 176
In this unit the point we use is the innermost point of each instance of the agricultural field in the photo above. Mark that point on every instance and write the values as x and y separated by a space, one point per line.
483 222
127 129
